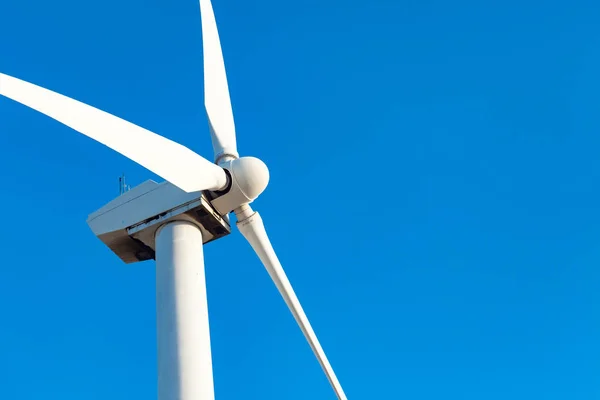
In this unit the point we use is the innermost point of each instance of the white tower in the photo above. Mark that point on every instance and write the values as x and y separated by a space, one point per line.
162 222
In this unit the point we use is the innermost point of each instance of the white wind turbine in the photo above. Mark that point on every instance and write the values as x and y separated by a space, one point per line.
170 222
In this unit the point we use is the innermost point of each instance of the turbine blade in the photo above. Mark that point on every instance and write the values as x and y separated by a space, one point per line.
216 90
254 231
171 161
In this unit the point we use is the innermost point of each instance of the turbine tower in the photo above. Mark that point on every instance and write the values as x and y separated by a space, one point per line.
171 221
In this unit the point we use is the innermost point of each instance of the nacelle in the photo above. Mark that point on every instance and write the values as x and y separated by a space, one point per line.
127 224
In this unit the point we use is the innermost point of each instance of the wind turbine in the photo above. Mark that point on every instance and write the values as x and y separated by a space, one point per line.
170 222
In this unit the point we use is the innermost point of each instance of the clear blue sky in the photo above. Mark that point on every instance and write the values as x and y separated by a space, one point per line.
434 197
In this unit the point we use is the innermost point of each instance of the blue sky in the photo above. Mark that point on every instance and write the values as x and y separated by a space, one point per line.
434 197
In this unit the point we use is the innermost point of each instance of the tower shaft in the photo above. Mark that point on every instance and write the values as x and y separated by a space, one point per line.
184 354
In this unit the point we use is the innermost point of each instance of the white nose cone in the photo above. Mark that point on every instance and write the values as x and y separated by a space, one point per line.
251 176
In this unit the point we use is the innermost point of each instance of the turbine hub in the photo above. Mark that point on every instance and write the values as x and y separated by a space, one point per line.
250 175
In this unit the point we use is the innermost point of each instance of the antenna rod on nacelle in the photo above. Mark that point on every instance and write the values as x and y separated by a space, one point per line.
123 186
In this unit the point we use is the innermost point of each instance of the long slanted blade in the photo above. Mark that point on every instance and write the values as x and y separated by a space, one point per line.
172 161
254 231
216 90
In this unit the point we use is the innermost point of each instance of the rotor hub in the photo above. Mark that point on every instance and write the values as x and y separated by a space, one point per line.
250 175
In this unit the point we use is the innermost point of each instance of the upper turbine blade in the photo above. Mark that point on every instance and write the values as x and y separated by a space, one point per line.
172 161
254 231
216 90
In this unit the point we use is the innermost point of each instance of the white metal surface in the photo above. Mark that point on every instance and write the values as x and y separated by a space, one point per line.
136 205
183 337
251 225
172 161
250 177
128 224
216 89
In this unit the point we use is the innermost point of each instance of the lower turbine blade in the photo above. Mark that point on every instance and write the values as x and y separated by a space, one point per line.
254 231
171 161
